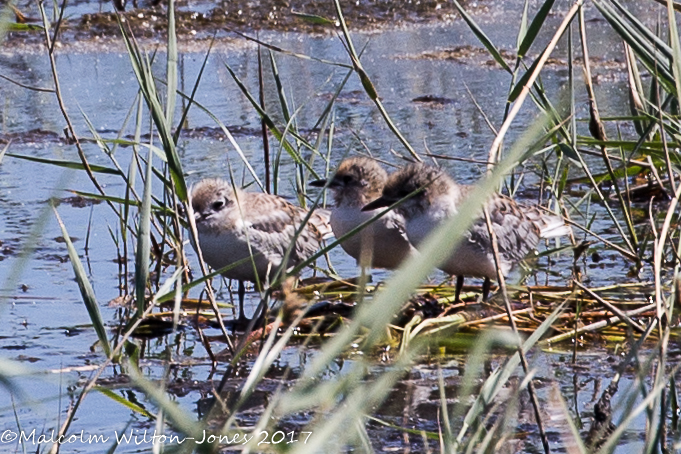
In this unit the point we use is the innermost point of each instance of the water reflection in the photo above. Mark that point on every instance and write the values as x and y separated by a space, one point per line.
45 308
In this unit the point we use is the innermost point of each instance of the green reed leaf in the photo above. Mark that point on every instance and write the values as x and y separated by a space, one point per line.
136 408
67 164
86 290
313 19
482 37
535 27
144 240
143 72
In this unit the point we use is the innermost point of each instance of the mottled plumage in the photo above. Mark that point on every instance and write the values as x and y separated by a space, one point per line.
233 225
518 228
357 181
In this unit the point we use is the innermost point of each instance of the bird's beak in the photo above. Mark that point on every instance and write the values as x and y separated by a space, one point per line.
378 203
318 183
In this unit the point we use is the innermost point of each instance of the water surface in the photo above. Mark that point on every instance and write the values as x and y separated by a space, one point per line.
45 325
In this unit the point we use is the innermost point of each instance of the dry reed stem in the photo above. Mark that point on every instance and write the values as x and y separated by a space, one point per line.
523 359
598 325
495 149
659 249
209 289
614 309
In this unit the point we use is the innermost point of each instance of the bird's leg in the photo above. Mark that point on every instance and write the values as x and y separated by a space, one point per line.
459 286
242 296
485 289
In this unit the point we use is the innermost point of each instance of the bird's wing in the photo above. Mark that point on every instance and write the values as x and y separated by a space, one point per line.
272 223
550 225
516 234
321 220
395 221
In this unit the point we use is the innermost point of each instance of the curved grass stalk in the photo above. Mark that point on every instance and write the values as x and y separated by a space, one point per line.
142 70
114 354
480 34
369 87
509 312
283 51
643 406
598 131
49 44
270 124
524 86
86 290
498 379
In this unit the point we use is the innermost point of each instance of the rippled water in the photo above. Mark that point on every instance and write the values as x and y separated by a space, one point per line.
45 325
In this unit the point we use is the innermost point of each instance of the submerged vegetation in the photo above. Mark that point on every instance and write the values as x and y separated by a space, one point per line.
618 190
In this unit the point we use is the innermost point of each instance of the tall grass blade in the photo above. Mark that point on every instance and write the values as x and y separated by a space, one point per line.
290 53
9 373
68 164
358 401
524 79
676 47
190 100
268 354
171 66
535 28
143 241
470 382
597 130
498 379
142 69
630 416
651 39
522 29
654 55
86 290
263 125
135 407
313 18
369 87
574 444
280 88
178 417
297 159
4 150
636 93
475 28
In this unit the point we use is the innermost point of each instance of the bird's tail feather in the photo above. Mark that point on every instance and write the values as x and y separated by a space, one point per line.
553 227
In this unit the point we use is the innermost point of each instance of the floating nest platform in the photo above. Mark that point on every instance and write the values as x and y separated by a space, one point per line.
320 307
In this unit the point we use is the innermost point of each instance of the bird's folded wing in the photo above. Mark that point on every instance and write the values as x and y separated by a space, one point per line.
272 224
396 222
516 234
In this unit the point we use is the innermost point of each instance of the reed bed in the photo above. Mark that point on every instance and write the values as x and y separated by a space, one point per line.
397 323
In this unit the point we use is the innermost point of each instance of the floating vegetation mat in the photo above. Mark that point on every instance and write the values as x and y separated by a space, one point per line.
319 307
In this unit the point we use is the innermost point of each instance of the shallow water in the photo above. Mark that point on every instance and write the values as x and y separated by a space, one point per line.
46 326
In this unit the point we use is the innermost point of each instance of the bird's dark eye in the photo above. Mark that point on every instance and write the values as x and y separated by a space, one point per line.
347 179
217 205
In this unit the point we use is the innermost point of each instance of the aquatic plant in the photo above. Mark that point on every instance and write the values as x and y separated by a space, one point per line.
342 407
